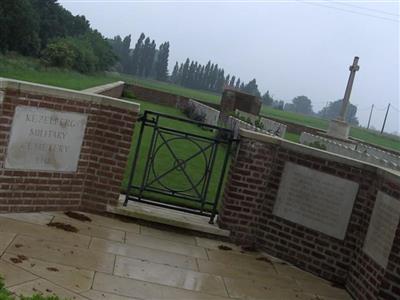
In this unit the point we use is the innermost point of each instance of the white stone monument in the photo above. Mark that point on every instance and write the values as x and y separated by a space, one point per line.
339 128
45 140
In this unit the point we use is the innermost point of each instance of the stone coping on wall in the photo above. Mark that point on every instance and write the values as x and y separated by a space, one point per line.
84 96
105 87
386 173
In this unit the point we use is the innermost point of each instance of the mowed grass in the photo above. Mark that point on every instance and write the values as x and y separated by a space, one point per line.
164 160
387 141
29 69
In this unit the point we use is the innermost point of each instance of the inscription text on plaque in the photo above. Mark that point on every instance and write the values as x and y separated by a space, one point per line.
44 139
382 228
314 199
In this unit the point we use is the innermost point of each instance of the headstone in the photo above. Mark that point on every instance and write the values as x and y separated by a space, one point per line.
45 140
382 228
314 199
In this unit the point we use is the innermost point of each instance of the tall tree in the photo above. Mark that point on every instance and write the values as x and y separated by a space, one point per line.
175 73
162 62
232 81
333 110
300 104
267 99
137 54
251 88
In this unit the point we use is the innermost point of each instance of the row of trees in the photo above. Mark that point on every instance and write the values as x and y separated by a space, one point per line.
43 28
209 77
303 105
144 60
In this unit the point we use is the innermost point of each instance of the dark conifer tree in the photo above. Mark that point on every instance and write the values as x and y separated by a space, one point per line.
137 55
237 85
232 81
162 62
175 73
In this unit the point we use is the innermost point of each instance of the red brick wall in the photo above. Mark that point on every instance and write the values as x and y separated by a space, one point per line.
115 92
163 98
103 157
248 202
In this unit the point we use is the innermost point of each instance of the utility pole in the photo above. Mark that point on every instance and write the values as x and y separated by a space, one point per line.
346 99
370 114
384 121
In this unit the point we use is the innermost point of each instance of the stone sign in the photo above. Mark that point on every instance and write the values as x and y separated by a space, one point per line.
316 200
44 139
382 228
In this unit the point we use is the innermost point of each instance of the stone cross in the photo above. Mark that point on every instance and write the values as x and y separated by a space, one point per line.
346 99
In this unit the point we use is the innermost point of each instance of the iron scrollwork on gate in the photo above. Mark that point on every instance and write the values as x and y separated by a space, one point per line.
181 165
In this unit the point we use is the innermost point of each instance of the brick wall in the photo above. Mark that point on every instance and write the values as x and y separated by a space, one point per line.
103 157
163 98
250 195
114 89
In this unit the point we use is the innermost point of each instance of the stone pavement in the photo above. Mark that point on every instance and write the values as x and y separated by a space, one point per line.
111 259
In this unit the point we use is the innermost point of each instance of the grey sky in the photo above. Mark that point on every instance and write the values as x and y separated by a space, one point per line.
292 48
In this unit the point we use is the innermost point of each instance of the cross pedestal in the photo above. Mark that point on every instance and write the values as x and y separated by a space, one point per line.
339 129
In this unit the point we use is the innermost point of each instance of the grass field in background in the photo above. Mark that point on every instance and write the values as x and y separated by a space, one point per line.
164 160
29 69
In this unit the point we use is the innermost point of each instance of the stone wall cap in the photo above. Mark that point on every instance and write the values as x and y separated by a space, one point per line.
390 174
41 89
104 87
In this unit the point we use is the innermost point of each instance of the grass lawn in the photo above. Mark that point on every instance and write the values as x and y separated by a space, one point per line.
29 69
164 160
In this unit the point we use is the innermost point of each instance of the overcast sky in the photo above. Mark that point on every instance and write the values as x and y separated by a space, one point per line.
292 48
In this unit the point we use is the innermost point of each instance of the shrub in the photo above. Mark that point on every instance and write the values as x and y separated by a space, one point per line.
190 111
6 295
86 53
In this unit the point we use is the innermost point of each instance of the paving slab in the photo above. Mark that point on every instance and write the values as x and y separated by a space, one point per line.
13 275
93 230
166 216
5 240
45 288
113 223
43 232
72 278
34 218
170 276
145 254
161 244
62 254
145 290
110 259
168 235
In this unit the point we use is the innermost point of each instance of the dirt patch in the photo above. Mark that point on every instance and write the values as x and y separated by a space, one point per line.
266 259
78 216
52 269
19 259
223 247
63 226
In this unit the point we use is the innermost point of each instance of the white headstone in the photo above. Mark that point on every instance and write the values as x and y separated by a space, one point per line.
45 140
382 228
314 199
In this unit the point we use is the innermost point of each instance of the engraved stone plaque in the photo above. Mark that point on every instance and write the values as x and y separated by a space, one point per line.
314 199
44 139
382 228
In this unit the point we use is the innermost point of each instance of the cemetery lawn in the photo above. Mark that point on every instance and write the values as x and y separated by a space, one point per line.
183 148
29 69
